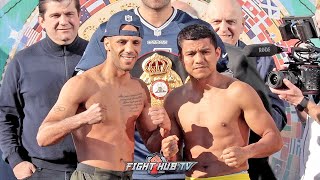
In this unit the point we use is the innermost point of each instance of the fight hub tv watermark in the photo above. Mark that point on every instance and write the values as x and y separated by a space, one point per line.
156 165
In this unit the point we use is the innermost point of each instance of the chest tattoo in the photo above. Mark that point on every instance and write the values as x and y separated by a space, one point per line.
131 103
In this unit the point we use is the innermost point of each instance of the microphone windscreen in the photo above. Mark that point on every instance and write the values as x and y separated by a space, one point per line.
260 50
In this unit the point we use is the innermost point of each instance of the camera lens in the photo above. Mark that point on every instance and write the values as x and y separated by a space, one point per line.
275 78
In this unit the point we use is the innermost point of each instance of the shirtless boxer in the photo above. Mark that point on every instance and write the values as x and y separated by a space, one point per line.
101 107
212 114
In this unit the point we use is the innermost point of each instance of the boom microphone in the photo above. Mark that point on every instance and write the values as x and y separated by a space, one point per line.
260 50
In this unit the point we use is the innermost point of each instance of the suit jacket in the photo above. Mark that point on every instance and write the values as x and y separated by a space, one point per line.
244 69
265 64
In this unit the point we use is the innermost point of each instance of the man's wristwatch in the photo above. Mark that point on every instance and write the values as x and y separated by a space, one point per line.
303 104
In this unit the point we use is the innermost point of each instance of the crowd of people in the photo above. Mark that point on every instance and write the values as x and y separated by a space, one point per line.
55 126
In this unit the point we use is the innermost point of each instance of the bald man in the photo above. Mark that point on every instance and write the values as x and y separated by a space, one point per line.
227 20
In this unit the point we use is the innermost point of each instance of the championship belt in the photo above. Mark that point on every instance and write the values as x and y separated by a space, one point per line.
159 77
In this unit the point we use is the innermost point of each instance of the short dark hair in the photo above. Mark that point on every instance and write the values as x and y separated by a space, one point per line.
196 32
43 8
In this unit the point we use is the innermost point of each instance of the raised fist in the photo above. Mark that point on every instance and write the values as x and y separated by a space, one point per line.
93 115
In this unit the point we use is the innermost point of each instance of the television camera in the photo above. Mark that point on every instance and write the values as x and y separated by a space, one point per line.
303 65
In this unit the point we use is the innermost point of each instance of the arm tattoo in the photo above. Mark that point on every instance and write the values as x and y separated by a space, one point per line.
58 108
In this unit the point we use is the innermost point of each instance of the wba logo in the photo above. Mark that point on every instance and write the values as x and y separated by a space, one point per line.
264 49
156 165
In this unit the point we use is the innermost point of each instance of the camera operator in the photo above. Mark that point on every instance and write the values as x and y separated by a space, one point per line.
308 112
294 96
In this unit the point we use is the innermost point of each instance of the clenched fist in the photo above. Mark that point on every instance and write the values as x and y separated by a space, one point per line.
24 169
234 156
169 146
160 118
94 114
